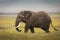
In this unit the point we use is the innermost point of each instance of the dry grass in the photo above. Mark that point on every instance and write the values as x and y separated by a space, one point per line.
8 32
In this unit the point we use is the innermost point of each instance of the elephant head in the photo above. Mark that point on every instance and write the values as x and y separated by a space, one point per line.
23 16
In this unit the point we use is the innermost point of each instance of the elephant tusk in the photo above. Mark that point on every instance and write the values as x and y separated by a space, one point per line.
18 25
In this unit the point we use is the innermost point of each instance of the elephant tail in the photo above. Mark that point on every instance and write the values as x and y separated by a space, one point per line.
53 27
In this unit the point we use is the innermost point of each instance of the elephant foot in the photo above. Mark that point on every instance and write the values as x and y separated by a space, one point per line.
32 32
47 31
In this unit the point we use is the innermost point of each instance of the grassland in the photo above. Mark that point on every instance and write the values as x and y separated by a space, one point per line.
8 32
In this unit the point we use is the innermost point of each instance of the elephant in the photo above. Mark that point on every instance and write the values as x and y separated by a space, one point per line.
32 19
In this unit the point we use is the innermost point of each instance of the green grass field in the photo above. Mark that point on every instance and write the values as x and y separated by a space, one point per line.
8 32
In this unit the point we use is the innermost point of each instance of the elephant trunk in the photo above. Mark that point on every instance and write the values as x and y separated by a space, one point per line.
18 30
17 26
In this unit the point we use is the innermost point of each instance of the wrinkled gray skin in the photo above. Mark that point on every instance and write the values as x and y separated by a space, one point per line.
34 19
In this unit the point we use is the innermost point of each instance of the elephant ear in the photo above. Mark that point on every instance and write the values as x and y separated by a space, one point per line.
28 14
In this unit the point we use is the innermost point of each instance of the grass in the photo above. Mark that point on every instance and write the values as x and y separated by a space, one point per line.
8 32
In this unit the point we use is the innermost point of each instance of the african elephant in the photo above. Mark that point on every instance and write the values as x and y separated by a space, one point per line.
34 19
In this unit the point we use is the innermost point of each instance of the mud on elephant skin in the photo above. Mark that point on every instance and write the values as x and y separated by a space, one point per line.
34 19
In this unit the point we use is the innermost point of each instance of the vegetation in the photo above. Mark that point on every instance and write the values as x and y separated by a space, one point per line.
8 32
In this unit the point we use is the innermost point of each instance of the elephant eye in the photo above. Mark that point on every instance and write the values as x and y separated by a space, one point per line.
22 16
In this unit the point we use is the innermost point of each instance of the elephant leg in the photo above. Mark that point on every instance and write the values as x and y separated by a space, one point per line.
26 29
46 30
32 29
45 27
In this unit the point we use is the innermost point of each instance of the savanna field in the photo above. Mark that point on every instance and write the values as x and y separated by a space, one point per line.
8 32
